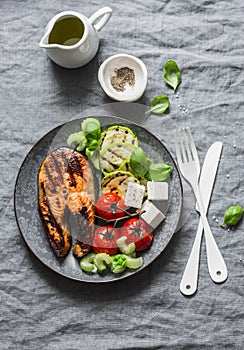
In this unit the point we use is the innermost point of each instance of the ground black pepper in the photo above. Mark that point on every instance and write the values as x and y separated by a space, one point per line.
123 76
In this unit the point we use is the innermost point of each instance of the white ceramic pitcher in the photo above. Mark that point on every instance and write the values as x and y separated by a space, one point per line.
83 51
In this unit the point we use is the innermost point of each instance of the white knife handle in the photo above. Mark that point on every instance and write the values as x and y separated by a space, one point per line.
188 285
216 264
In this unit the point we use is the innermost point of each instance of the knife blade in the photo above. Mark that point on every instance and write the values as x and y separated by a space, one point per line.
208 173
188 285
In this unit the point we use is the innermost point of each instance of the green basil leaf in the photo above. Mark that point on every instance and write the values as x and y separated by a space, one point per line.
172 74
147 176
159 171
159 105
233 215
139 162
93 145
91 128
79 138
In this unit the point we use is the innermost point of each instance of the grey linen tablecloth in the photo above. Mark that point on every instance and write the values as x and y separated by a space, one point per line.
39 308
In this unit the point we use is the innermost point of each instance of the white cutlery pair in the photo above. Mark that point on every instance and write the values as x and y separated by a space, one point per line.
189 165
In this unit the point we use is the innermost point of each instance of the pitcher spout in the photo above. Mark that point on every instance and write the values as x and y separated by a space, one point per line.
44 41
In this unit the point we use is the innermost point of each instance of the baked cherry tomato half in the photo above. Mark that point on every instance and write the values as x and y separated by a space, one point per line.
137 231
110 206
105 240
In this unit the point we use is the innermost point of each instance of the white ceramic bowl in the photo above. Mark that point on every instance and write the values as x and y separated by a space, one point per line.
130 93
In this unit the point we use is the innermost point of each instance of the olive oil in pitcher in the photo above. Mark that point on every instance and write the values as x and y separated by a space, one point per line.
71 39
67 31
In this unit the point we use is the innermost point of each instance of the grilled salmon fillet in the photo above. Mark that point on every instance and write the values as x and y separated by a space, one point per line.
66 196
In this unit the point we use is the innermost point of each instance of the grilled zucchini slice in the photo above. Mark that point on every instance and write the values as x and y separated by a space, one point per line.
125 166
117 182
114 155
118 133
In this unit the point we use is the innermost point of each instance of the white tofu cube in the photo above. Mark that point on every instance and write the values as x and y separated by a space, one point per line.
134 195
151 214
157 191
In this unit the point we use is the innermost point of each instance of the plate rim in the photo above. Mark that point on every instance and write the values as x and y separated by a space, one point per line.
121 277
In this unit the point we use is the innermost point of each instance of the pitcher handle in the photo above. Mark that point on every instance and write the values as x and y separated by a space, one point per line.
105 13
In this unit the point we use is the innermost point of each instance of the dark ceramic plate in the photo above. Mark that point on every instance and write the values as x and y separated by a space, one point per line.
26 201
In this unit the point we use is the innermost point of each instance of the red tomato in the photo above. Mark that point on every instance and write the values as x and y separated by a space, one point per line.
105 240
110 206
137 231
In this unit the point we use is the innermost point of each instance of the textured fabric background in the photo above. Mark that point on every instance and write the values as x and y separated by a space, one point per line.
42 310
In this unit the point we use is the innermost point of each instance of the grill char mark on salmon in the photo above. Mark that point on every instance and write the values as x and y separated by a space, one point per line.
65 184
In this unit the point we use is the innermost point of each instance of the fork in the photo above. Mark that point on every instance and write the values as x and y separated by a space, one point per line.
189 165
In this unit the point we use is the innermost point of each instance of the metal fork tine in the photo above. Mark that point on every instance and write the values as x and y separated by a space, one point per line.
182 146
192 145
186 138
177 146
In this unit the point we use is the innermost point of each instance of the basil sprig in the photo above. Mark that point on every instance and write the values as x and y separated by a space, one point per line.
159 105
232 215
92 130
144 167
89 136
159 172
172 74
172 77
139 162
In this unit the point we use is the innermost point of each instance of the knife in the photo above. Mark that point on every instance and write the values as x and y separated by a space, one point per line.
216 264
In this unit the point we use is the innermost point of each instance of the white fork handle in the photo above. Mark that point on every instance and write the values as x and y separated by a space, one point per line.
216 264
188 284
